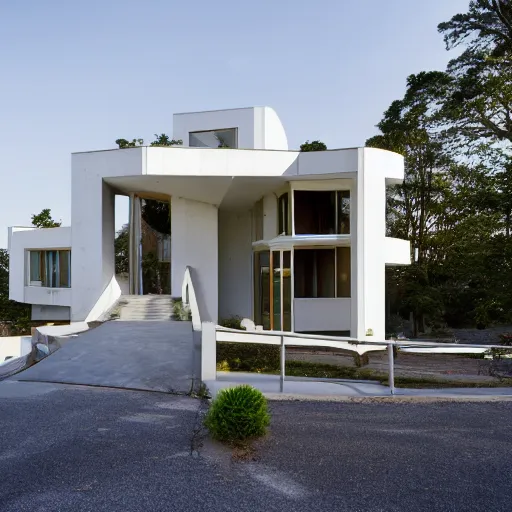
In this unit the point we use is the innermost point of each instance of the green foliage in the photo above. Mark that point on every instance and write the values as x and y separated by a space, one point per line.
314 145
158 215
180 311
44 220
237 414
123 143
17 314
233 322
361 360
455 205
121 250
151 273
164 140
478 105
250 357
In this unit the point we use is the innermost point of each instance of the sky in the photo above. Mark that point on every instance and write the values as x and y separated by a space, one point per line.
76 76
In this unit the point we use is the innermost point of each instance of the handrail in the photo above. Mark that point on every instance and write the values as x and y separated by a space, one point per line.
188 296
295 338
355 341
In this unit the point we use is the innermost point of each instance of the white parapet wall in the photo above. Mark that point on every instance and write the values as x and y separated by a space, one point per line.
14 346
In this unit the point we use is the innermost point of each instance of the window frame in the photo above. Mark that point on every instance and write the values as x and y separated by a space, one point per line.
44 264
234 128
340 195
337 292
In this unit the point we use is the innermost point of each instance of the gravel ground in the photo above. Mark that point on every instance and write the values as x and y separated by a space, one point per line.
67 448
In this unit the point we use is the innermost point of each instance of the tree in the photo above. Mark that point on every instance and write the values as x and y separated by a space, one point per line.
314 145
121 249
15 313
44 220
478 105
443 207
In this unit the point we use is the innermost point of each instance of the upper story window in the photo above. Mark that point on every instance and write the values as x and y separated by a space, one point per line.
319 212
283 215
214 139
51 269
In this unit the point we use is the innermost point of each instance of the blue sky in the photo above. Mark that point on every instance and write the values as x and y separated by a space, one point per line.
75 76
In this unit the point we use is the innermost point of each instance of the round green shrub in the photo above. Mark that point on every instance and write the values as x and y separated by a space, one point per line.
238 413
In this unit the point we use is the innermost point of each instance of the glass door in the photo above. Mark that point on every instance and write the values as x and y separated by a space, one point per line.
262 289
276 291
273 290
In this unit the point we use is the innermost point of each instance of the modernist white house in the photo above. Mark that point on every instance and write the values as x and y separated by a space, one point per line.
295 241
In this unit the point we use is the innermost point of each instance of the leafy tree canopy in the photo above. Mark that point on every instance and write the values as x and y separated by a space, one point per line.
44 220
314 145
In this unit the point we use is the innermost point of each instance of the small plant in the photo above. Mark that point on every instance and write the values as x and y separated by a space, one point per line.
233 322
237 414
180 311
361 359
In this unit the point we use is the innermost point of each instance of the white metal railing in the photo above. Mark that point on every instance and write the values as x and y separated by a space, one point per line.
189 298
284 338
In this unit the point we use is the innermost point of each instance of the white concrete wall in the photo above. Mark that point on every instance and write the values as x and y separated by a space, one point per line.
22 240
48 296
328 162
274 134
92 216
194 232
235 264
258 127
212 162
14 346
396 251
270 219
374 167
50 313
322 314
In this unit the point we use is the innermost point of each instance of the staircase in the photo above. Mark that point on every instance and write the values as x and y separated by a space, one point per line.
137 308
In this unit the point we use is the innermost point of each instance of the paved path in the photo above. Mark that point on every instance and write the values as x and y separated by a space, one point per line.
321 389
80 449
157 356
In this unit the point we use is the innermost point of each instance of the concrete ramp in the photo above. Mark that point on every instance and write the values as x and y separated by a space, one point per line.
145 355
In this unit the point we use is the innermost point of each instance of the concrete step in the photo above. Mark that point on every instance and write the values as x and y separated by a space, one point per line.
139 308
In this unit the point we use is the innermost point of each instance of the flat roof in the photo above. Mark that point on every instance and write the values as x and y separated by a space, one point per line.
178 146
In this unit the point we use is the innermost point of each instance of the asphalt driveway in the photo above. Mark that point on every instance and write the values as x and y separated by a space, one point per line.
71 448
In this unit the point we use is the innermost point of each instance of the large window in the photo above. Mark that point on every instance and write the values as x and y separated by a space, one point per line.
322 273
214 139
319 212
51 269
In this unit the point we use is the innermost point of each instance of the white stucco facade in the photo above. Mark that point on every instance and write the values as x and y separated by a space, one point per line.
228 207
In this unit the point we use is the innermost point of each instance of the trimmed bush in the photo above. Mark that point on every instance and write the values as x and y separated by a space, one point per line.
248 357
233 322
237 414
